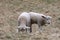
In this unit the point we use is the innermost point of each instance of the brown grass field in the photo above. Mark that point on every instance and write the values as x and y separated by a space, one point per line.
11 9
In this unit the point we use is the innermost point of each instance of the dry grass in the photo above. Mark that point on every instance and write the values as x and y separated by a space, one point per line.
10 10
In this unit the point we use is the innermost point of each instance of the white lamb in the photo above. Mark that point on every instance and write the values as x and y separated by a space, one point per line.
39 19
25 20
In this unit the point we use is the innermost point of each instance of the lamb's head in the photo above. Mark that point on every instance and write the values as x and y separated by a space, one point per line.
23 28
47 19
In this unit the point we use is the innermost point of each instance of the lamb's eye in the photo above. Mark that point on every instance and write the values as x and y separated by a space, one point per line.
47 19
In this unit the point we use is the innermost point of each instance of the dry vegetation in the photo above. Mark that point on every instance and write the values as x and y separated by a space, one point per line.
10 10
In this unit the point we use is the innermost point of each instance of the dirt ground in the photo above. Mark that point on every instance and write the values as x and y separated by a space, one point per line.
11 9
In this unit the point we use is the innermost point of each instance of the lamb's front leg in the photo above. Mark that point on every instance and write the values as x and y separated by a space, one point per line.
39 27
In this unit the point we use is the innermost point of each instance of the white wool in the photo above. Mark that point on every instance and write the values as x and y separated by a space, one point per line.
26 15
36 14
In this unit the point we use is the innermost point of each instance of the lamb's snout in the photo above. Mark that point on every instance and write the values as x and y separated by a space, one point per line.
48 23
21 29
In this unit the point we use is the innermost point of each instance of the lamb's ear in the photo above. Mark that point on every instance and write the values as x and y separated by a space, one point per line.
43 16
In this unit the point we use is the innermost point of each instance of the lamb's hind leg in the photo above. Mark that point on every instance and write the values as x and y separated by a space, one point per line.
18 23
27 29
30 28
